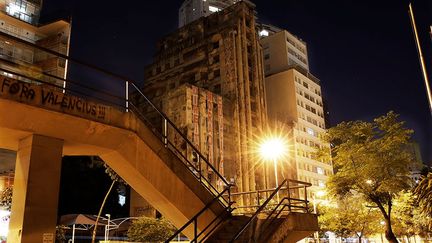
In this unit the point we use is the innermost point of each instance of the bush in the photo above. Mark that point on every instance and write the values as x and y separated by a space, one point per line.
147 229
6 198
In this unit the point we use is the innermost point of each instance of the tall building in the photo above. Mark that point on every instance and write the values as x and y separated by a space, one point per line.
294 98
192 10
222 55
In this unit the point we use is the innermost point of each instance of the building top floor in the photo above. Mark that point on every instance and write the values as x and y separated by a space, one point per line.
192 10
24 10
29 32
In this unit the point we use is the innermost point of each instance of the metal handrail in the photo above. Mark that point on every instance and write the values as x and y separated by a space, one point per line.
194 219
293 204
166 120
255 215
182 135
257 195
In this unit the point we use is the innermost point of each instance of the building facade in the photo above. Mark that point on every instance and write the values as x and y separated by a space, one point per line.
198 113
294 98
20 19
222 55
282 50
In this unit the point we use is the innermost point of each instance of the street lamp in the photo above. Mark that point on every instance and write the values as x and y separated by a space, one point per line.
107 227
272 149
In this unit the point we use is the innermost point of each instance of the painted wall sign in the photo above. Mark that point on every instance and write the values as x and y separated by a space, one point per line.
49 98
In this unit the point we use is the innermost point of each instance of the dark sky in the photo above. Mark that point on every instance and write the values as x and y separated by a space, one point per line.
363 51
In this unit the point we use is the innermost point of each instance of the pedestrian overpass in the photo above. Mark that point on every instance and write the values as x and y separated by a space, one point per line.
44 121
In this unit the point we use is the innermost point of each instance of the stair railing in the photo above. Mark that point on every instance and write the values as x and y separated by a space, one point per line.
288 204
255 215
123 97
178 143
210 228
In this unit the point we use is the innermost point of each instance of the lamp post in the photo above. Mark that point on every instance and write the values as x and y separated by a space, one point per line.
107 227
272 149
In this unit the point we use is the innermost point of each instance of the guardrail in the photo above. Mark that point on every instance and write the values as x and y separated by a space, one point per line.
291 191
210 228
290 202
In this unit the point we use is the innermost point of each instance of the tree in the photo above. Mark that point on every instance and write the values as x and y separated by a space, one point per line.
423 193
405 223
145 229
115 178
6 198
370 160
349 216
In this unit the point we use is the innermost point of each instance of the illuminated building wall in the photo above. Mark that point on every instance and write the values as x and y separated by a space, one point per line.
221 54
282 50
198 113
294 98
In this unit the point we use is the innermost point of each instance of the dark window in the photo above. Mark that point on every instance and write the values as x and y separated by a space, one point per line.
217 89
216 73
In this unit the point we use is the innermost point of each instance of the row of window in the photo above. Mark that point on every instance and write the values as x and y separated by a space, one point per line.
308 142
311 120
19 53
314 169
310 108
306 85
306 154
313 181
309 97
298 56
297 46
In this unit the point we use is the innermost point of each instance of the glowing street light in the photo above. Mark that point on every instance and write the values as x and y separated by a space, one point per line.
272 149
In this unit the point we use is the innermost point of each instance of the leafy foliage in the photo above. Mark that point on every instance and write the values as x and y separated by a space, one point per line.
371 160
145 229
423 192
113 175
6 198
349 216
60 234
409 220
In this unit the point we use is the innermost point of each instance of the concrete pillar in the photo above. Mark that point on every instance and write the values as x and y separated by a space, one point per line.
36 190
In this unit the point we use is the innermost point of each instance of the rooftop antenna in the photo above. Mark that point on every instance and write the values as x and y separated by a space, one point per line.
420 53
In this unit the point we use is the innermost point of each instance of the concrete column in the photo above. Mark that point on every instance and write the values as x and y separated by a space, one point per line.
36 190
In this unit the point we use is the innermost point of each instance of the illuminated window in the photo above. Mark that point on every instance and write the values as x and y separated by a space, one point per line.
320 170
310 131
213 9
264 33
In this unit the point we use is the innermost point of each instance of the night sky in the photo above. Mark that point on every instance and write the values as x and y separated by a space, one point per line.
363 51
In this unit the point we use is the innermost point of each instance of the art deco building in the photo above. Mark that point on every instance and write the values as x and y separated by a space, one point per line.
221 56
294 98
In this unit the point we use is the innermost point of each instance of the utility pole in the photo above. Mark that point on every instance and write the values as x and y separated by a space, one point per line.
420 53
